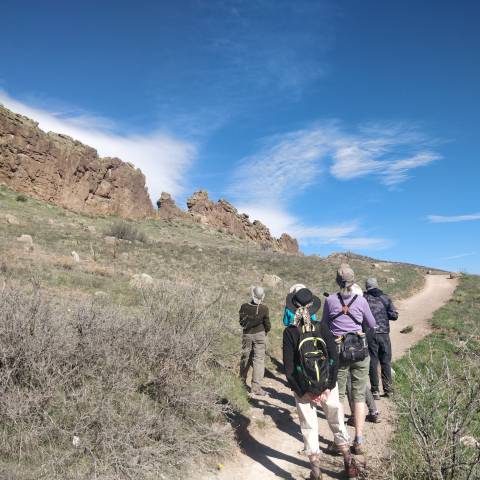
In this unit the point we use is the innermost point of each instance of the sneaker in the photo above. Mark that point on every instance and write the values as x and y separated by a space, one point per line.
388 394
351 469
373 418
351 421
376 395
358 448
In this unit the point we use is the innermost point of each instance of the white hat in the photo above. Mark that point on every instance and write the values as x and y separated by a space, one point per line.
295 288
258 294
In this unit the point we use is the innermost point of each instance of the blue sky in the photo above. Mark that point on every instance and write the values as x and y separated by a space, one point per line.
351 125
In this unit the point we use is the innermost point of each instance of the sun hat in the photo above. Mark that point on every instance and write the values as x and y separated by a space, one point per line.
258 294
302 298
345 276
371 283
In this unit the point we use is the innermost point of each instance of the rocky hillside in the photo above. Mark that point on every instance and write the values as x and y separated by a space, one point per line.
63 171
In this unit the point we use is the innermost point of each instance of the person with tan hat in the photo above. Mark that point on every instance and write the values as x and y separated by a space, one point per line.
255 321
345 313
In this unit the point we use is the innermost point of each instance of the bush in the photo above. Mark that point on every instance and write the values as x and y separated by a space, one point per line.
21 198
95 392
126 231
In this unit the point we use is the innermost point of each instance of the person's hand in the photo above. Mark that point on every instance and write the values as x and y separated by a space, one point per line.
308 397
322 398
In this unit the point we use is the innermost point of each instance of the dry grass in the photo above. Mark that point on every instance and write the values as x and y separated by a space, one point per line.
140 392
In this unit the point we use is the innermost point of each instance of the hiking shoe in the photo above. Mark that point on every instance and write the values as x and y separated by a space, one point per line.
376 395
351 469
373 418
358 448
351 421
332 449
388 394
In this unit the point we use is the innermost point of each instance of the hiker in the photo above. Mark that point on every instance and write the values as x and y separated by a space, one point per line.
310 360
373 415
379 344
255 321
289 315
345 313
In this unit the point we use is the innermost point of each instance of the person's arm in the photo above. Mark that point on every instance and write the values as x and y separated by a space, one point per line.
266 320
368 317
288 362
329 339
243 316
391 311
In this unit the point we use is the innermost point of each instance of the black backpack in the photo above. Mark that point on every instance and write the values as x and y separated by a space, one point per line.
314 360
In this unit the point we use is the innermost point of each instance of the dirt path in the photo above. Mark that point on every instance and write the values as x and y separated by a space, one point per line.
270 437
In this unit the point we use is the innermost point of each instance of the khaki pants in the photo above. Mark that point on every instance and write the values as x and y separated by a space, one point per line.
359 372
253 354
307 414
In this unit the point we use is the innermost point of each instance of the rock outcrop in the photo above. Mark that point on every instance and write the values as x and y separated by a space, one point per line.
61 170
224 216
167 208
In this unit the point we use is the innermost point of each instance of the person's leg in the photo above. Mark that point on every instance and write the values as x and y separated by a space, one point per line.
371 405
246 357
373 373
259 344
385 357
349 393
333 411
359 371
343 373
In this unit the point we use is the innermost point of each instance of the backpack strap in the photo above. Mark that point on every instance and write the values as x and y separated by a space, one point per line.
346 309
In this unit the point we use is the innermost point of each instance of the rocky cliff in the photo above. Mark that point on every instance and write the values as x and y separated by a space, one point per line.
61 170
223 215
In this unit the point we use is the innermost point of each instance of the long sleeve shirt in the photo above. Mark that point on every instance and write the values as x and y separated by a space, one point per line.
343 324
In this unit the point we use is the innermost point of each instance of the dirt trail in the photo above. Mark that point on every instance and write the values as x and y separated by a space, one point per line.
270 437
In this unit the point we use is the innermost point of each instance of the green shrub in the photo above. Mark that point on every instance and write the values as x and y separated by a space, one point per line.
21 198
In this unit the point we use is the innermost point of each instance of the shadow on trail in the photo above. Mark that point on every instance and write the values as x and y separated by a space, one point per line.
258 451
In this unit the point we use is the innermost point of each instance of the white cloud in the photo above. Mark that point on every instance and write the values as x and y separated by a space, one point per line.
279 221
286 165
454 218
162 158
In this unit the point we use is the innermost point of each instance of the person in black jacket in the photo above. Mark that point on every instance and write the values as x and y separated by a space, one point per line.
303 302
255 321
379 344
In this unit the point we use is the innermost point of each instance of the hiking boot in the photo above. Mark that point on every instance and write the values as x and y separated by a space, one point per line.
376 395
373 417
351 469
358 448
351 421
388 394
315 473
332 449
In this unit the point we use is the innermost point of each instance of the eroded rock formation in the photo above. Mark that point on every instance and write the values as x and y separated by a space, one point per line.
167 208
223 215
61 170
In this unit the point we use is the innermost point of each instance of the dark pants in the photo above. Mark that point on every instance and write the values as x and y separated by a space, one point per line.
380 351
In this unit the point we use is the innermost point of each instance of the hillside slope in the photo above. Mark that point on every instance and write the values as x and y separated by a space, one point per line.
111 342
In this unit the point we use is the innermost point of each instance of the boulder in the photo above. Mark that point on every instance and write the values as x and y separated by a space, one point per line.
271 280
26 239
11 219
167 208
141 280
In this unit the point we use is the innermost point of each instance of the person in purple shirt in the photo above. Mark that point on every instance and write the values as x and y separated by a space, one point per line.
345 313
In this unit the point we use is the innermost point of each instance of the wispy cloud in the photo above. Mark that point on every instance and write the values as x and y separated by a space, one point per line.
461 255
163 158
286 165
454 218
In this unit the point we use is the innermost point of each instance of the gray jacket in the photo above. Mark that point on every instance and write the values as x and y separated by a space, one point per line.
382 309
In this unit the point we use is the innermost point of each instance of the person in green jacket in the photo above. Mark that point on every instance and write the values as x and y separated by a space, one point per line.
255 321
